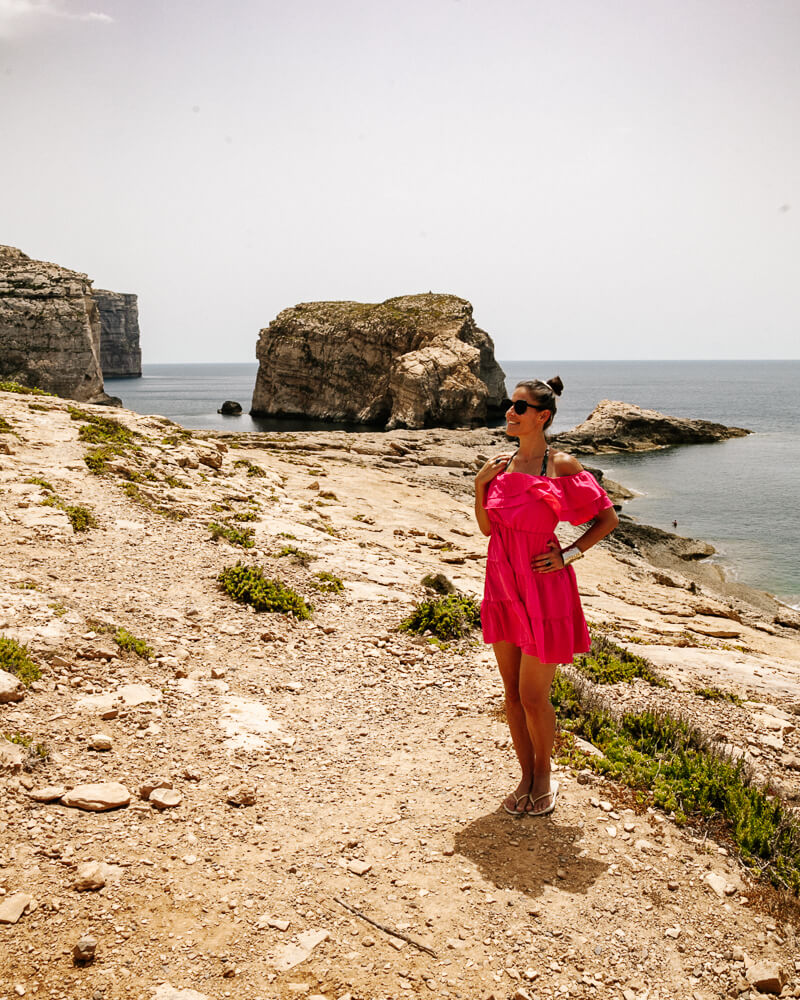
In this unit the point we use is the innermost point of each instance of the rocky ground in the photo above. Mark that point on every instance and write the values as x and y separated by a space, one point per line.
306 770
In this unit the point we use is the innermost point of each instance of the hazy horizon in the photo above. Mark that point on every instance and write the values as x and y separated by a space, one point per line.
620 180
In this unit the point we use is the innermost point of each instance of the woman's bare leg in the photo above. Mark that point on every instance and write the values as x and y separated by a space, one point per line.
508 660
535 679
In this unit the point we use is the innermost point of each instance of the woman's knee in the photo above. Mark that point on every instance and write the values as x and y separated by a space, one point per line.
535 701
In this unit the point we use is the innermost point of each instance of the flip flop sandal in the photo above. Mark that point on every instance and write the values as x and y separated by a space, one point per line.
544 812
516 811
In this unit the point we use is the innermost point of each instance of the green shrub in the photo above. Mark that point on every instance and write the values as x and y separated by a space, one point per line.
304 558
245 537
448 617
716 694
5 426
673 766
36 750
327 583
249 585
438 583
16 660
245 515
608 663
38 481
102 430
23 389
131 644
38 408
252 468
81 518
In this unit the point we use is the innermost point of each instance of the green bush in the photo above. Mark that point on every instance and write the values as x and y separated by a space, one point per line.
438 583
102 430
23 389
716 694
327 582
244 537
245 515
38 751
304 558
38 481
448 617
673 766
608 663
131 644
252 468
249 585
16 660
5 426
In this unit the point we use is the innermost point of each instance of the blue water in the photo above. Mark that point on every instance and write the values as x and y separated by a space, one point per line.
741 495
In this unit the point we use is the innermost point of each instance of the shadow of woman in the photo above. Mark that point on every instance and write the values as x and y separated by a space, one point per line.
527 854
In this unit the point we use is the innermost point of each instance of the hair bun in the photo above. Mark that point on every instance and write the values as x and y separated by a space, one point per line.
556 385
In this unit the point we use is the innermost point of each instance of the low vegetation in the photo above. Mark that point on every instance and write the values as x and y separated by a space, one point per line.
37 751
5 426
438 583
304 558
327 582
249 585
717 694
81 518
450 617
129 643
243 537
252 469
608 663
133 492
23 389
16 659
671 765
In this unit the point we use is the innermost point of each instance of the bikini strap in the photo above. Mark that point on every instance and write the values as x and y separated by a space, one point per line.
544 461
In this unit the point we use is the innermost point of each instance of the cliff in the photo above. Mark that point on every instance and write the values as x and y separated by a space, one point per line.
49 328
120 353
618 427
412 361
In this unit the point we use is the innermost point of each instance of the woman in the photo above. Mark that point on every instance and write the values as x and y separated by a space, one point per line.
531 612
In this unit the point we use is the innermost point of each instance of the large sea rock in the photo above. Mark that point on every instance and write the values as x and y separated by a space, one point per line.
618 427
120 352
49 328
412 361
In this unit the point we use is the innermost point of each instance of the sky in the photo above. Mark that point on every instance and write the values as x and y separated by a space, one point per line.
602 179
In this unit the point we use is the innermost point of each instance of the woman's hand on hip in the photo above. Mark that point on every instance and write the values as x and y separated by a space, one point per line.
550 561
487 472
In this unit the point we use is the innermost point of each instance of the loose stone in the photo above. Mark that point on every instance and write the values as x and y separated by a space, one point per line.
98 797
84 951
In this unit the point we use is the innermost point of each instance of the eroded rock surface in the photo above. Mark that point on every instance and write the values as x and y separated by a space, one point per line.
49 328
120 352
412 361
616 427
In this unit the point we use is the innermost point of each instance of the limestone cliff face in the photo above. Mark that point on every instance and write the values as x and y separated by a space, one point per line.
120 353
49 328
412 361
617 427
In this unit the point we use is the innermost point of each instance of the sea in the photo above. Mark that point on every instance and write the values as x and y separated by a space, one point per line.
742 495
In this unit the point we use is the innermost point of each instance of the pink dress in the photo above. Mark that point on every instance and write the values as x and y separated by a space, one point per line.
539 612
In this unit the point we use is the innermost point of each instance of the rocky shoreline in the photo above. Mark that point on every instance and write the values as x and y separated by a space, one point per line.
270 767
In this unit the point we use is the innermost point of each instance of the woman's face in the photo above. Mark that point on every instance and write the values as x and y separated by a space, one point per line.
529 422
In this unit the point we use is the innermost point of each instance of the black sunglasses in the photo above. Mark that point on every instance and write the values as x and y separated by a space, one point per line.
521 405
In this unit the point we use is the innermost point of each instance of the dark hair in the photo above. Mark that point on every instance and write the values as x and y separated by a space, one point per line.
544 393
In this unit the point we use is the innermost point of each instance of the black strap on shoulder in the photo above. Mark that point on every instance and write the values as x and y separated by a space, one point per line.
544 462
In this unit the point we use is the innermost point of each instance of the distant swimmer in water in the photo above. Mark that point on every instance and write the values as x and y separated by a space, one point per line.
674 524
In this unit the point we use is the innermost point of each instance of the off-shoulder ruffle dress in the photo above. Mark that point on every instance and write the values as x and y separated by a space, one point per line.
539 612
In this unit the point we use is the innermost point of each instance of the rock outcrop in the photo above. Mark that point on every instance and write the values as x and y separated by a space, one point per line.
120 353
49 328
412 361
618 427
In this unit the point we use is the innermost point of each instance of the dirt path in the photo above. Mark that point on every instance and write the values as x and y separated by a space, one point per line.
376 762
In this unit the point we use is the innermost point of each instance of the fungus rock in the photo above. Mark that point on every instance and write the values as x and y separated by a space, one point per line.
618 427
49 328
120 353
412 361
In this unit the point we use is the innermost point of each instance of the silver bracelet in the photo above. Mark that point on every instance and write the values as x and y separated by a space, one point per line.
571 555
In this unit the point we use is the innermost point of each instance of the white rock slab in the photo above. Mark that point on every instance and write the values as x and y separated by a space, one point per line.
98 797
127 696
167 992
11 688
12 907
245 723
294 954
11 756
